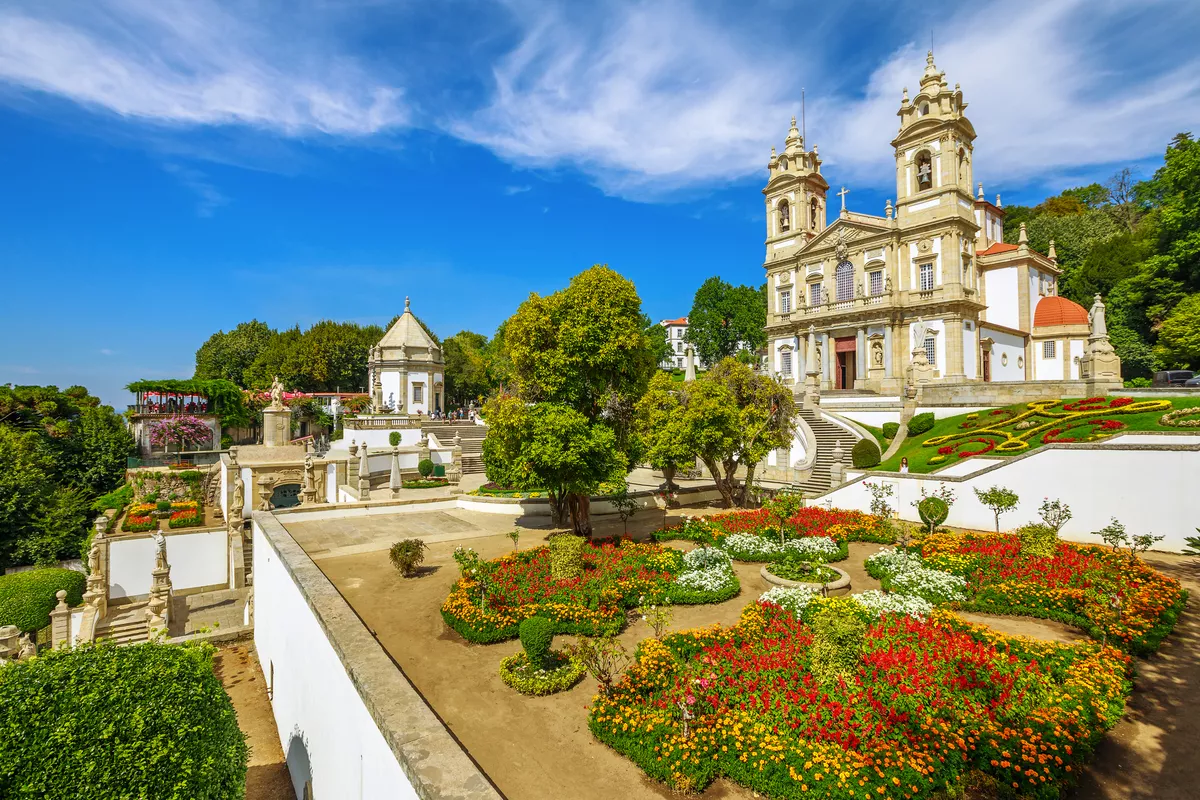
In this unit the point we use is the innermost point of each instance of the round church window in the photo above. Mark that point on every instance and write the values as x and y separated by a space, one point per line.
1004 359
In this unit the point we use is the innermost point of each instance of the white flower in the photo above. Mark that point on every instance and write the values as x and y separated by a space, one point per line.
894 561
760 548
706 558
880 603
708 580
790 599
932 584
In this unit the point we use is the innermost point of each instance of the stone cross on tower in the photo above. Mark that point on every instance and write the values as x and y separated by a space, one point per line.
843 194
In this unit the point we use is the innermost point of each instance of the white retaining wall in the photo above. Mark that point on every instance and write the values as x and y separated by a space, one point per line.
1149 490
199 559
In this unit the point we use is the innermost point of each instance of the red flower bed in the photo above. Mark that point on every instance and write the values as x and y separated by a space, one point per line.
1075 585
1097 404
1098 427
926 703
817 521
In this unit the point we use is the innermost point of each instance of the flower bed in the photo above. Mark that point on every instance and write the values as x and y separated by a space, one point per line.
927 705
1076 585
187 514
560 674
488 604
803 572
425 483
734 531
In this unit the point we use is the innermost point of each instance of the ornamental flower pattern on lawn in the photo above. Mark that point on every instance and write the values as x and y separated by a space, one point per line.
488 605
930 702
1047 421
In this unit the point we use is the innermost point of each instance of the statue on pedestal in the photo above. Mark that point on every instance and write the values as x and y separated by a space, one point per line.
276 393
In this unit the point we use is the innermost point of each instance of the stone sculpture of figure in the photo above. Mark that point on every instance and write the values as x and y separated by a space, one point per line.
877 353
94 560
1096 318
160 550
785 217
920 333
239 497
276 392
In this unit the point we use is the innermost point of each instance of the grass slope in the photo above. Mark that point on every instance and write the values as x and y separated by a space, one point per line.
918 454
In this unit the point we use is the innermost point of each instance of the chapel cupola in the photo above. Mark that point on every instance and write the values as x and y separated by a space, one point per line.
795 190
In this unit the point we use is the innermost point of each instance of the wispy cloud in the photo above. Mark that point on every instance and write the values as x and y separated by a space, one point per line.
104 351
192 62
511 190
209 199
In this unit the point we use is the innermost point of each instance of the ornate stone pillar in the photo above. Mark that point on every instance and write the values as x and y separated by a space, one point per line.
60 622
308 494
264 493
812 378
955 363
364 475
394 482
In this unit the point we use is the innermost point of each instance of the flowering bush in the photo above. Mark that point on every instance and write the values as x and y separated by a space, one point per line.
759 548
922 707
1181 418
908 574
1075 584
488 603
879 603
841 526
187 514
182 430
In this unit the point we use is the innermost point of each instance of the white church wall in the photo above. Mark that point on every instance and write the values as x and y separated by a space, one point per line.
331 483
1008 353
423 379
327 734
1048 369
970 349
1147 490
873 418
390 383
1003 302
1077 347
197 560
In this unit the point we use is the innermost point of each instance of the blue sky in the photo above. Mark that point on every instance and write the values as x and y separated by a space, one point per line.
172 167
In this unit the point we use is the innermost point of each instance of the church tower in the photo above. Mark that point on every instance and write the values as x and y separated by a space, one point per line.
795 191
934 152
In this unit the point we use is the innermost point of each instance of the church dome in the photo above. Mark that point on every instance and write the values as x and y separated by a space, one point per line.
1055 310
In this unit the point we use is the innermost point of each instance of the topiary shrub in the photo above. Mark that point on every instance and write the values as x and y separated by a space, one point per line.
566 557
890 429
1037 540
425 468
537 633
109 722
394 438
865 454
439 470
407 555
933 511
27 598
921 423
838 635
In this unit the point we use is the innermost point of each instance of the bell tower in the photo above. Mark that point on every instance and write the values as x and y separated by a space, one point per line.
795 191
934 150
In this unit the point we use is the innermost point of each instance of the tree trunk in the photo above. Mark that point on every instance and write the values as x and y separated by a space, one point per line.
748 486
581 514
721 482
558 509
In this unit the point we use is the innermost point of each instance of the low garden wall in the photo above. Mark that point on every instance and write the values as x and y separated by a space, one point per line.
199 560
350 723
1151 488
998 393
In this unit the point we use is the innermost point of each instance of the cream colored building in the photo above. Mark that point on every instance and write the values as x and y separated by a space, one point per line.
406 369
932 275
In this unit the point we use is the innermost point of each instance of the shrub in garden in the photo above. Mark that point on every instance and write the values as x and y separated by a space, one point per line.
890 429
1000 500
394 438
1037 540
933 511
407 555
536 634
425 467
109 723
27 598
865 454
163 505
566 557
921 423
604 657
838 633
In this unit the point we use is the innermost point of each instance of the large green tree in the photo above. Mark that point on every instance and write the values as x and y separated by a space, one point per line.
1179 336
467 376
726 319
41 520
656 337
583 349
229 355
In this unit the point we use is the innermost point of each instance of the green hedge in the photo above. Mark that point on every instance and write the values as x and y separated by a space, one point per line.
865 454
27 598
921 423
117 723
890 429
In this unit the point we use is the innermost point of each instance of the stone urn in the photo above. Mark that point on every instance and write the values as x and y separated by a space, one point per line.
836 587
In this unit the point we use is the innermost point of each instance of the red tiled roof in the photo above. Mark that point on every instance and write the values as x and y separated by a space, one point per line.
680 321
1055 310
997 248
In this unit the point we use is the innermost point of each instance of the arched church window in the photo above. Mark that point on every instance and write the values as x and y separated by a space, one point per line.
924 109
813 208
783 164
844 279
963 177
785 216
924 166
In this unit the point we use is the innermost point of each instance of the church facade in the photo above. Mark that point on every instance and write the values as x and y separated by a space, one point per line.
928 292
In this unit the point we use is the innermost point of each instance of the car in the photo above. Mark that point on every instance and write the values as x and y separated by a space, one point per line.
1193 382
1173 377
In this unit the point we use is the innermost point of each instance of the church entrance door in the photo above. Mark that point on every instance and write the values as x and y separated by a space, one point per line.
846 362
987 365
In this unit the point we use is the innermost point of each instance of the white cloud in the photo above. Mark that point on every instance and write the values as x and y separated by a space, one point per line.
208 197
104 351
659 97
191 62
511 190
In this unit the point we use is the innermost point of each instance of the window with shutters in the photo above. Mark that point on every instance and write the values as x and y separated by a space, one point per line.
814 294
844 281
875 282
785 302
931 350
785 362
1049 349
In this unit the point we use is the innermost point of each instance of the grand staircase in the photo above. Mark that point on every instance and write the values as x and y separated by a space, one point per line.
828 436
471 439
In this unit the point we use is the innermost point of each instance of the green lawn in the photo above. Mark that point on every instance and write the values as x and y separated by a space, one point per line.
1000 437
